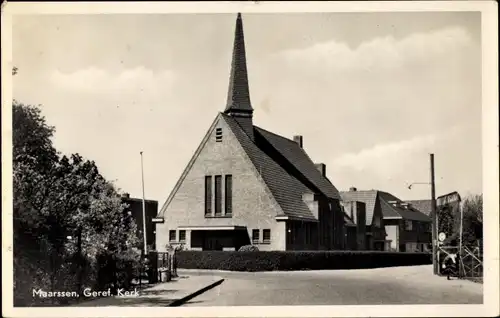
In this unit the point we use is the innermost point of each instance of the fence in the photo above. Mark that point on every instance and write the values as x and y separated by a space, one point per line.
471 262
163 266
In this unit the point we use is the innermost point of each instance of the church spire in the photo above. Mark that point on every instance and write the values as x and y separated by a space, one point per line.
238 97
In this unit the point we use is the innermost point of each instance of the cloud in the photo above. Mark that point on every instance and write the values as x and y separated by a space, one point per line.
382 52
139 80
393 156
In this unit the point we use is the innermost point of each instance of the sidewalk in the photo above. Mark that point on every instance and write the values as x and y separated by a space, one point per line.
173 293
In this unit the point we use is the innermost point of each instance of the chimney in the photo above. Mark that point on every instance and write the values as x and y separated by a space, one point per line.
352 189
126 195
298 140
322 168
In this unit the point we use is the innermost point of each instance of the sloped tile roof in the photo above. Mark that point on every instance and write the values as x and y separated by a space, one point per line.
285 188
410 213
305 167
423 206
369 197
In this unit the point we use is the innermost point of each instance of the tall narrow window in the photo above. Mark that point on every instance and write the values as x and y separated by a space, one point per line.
218 195
255 236
182 236
266 235
171 235
218 134
229 195
208 195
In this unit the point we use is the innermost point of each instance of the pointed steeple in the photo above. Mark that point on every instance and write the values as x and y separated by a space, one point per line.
238 97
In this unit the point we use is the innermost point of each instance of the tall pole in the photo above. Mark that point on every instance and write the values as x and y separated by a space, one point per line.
144 210
434 219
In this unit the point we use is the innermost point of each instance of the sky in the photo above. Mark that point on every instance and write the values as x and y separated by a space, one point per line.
372 94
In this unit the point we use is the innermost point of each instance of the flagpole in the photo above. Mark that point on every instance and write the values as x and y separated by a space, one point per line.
144 210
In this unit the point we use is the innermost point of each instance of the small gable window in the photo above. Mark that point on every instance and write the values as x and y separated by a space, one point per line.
218 134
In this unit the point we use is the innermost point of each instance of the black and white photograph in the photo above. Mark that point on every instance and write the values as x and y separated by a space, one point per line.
250 155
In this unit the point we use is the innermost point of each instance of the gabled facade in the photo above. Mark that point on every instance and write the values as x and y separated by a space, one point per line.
373 220
393 225
245 185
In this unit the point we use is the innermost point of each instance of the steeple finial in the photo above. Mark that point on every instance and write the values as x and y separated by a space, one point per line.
238 96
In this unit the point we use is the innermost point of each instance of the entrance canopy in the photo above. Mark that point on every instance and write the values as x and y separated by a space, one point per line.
217 237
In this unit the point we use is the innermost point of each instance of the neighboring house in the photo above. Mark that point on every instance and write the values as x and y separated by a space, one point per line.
355 235
135 208
374 222
403 227
246 185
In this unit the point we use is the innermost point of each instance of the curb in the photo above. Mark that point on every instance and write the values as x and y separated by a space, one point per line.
179 302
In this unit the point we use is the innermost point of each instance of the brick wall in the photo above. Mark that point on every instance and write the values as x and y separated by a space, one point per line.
252 205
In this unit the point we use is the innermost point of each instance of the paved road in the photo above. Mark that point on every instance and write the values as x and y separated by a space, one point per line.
400 285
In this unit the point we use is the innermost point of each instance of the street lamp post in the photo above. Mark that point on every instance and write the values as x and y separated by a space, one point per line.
144 210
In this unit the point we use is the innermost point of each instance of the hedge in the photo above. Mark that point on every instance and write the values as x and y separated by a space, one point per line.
297 260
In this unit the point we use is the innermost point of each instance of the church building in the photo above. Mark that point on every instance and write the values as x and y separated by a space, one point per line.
248 186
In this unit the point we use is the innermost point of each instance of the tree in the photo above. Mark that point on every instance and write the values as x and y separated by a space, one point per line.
472 219
65 212
32 138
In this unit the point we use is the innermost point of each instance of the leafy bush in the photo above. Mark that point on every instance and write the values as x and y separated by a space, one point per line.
69 221
297 260
248 248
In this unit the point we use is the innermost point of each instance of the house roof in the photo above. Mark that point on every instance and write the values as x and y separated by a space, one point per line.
138 200
423 206
371 197
410 213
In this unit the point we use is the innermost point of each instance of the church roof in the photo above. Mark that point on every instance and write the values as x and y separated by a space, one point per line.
283 165
304 167
238 95
286 189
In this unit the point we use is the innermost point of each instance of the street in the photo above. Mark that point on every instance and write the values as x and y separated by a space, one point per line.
384 286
